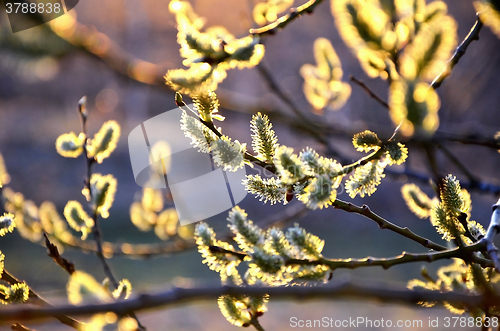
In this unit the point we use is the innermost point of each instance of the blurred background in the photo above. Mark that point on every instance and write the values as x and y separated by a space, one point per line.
130 46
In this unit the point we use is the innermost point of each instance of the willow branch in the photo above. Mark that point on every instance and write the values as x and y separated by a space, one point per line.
473 180
150 250
36 299
369 91
460 51
385 224
464 253
283 21
340 290
53 252
96 231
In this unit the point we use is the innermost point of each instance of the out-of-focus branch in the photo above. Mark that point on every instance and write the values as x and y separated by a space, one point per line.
460 51
283 21
473 180
369 91
340 290
36 299
96 231
471 139
100 46
385 224
290 213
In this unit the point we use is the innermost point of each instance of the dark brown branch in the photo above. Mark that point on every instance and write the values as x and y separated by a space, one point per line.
464 253
283 21
339 290
384 224
460 51
53 252
369 91
473 180
96 232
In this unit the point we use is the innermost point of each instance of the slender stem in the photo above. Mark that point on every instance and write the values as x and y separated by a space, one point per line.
369 91
463 252
96 232
283 21
460 51
472 178
255 323
385 224
430 152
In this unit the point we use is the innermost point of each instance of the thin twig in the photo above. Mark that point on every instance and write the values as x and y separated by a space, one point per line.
96 231
369 91
472 178
89 161
175 296
460 51
464 253
283 21
385 224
